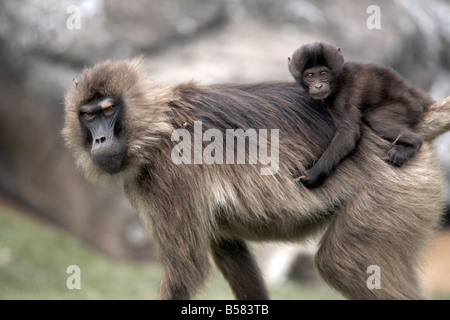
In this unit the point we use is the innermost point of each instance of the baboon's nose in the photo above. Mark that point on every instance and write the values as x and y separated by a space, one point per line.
100 140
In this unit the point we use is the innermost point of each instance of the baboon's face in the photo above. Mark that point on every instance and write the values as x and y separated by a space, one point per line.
100 121
317 68
317 81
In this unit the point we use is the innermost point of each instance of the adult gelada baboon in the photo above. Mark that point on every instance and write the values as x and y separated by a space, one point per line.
119 126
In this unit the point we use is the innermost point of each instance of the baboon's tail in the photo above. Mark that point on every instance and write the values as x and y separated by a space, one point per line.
435 120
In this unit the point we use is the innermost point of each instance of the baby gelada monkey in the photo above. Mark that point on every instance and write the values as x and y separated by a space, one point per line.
355 92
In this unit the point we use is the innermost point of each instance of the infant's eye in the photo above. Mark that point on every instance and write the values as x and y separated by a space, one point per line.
309 75
323 73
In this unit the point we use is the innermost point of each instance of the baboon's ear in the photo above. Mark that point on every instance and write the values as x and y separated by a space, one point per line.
294 72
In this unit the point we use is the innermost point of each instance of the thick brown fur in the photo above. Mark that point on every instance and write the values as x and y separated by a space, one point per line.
356 92
369 212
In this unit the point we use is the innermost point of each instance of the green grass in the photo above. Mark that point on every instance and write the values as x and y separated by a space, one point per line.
34 258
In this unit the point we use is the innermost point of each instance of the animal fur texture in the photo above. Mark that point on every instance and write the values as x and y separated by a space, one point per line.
367 212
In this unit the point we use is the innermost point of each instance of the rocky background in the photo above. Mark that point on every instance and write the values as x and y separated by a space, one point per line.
43 47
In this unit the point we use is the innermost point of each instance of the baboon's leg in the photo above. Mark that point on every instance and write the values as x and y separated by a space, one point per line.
171 290
239 268
184 255
182 277
394 124
364 235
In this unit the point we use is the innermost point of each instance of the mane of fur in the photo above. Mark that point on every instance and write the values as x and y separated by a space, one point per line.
145 112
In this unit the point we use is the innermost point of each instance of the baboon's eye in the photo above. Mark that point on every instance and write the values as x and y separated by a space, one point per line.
323 73
88 116
309 75
109 111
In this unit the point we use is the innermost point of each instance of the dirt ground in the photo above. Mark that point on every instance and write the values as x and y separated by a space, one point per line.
437 264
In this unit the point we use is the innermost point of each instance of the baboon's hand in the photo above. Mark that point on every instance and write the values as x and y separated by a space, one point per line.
312 180
398 155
